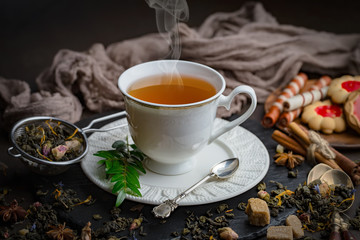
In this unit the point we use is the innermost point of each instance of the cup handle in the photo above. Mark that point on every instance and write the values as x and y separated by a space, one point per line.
226 102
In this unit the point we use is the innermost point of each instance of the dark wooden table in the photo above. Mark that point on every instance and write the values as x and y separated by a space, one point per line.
33 31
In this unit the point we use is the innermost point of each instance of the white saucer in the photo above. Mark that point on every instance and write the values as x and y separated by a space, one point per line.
156 188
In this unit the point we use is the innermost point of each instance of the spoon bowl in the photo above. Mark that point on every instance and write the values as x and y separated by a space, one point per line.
337 177
317 171
226 168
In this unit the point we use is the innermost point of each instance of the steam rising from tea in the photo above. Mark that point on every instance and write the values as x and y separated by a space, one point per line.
168 14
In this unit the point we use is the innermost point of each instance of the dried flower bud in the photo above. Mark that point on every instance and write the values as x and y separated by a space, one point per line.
46 148
305 218
264 195
226 233
73 145
86 232
136 223
59 151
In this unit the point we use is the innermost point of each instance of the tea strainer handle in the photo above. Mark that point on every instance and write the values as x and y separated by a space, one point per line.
13 154
89 129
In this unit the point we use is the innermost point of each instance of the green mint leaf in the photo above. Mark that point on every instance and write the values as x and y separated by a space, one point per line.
137 154
106 154
123 164
115 170
101 162
118 186
133 191
119 145
133 146
117 178
120 198
132 176
138 165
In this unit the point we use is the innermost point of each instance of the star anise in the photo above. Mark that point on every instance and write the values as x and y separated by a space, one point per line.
13 212
288 159
59 232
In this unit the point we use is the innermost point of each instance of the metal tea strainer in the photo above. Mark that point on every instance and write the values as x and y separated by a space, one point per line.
46 167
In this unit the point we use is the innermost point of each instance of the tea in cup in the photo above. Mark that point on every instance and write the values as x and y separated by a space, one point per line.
171 107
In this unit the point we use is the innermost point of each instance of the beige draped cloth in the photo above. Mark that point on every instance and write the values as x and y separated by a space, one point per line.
247 46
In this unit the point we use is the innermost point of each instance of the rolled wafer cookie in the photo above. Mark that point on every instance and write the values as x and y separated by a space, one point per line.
294 87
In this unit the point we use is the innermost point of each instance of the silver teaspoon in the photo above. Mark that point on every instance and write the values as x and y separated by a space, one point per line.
221 170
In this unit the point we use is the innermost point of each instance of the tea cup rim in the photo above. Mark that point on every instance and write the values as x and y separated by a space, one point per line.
210 99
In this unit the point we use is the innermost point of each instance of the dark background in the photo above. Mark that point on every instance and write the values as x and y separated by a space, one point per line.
32 31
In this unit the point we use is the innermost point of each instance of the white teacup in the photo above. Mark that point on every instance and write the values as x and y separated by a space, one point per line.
172 135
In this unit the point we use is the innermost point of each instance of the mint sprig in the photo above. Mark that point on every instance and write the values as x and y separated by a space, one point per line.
122 167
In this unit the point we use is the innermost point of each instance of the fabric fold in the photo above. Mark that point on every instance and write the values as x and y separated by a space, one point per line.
247 46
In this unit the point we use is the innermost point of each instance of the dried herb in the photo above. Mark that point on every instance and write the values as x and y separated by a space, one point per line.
51 141
355 222
86 232
41 217
242 206
137 207
67 198
316 203
204 226
60 232
316 208
264 195
288 159
222 207
12 213
117 225
293 174
122 167
97 216
261 186
136 223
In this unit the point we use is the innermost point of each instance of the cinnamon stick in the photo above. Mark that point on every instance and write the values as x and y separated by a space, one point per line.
288 142
346 164
296 146
319 158
296 129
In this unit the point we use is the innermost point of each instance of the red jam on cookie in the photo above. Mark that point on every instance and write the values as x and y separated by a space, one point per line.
340 88
329 111
351 86
324 116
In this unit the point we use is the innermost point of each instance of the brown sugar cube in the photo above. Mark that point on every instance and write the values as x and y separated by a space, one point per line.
294 222
279 233
258 212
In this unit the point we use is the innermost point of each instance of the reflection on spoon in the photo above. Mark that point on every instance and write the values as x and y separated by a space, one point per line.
221 170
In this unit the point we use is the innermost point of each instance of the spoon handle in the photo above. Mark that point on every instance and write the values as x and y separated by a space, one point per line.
167 207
